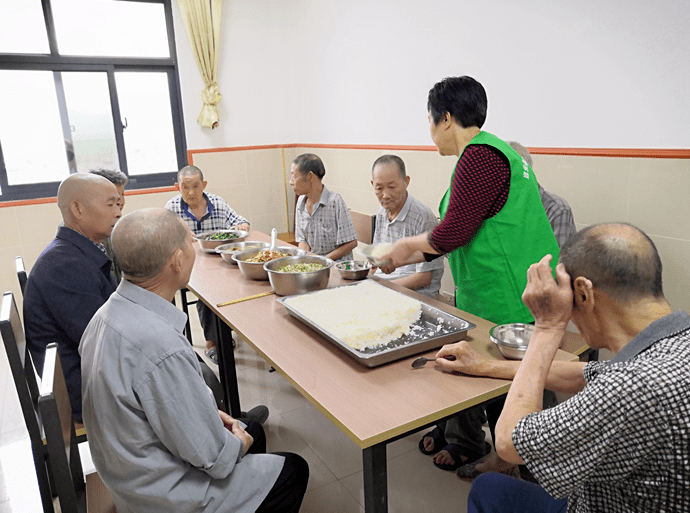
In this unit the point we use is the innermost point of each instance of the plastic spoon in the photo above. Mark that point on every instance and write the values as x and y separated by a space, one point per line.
274 238
421 361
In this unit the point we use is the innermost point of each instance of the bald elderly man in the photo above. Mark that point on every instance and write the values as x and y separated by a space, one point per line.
621 443
160 446
71 278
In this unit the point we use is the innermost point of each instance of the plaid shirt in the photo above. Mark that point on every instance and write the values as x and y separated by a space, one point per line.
623 443
414 218
218 216
559 214
328 226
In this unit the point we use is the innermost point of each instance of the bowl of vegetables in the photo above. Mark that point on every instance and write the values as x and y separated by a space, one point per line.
298 274
251 262
209 241
228 250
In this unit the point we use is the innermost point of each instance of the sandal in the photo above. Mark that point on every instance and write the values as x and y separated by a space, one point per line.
439 441
212 354
469 471
458 453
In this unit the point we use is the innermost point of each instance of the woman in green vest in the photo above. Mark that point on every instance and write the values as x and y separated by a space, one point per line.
493 228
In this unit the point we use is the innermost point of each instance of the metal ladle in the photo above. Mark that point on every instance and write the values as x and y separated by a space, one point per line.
421 361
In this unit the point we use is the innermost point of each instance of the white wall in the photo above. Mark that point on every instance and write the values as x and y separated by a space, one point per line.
578 74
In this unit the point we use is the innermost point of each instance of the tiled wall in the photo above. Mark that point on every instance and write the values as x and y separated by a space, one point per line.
650 193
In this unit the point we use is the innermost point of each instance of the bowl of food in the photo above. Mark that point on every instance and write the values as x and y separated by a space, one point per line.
209 241
353 269
374 252
298 274
251 262
512 339
228 250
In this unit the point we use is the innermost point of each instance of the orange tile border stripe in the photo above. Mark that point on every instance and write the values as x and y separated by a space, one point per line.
42 201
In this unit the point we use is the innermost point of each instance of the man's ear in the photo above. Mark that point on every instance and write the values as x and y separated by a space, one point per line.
177 186
76 209
583 293
204 187
407 180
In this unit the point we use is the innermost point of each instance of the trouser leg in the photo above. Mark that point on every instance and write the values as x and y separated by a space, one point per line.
258 434
288 491
465 429
493 492
207 319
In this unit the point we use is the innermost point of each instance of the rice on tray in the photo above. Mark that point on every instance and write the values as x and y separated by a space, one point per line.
365 315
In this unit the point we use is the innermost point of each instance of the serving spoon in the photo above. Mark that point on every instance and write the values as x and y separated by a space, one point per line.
421 361
274 238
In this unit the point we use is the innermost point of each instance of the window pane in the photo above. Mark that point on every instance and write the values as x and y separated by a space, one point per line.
31 134
22 27
91 120
145 109
110 29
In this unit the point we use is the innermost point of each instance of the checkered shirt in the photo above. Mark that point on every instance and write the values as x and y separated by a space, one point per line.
218 216
414 218
623 443
559 214
328 226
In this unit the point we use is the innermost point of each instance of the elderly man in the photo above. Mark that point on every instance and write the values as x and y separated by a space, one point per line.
322 222
71 278
160 446
203 212
400 216
621 443
558 212
119 180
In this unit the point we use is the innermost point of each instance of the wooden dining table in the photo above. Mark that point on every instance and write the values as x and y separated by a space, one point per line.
372 406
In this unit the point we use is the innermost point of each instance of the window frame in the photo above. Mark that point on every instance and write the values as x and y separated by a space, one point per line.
109 65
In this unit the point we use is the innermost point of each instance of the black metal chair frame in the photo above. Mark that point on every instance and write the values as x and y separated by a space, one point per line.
21 273
60 435
26 384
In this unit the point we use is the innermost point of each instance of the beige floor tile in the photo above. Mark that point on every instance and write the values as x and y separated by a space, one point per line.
415 485
333 498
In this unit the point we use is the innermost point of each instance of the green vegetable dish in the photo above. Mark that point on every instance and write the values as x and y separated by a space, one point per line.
300 268
222 236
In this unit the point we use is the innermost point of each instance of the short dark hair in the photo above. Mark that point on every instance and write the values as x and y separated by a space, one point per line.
113 175
462 97
308 162
390 159
618 259
190 171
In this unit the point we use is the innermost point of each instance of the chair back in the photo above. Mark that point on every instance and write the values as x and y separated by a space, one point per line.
61 438
21 272
365 226
26 384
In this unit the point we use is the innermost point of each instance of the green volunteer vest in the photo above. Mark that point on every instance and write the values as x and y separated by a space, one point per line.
490 272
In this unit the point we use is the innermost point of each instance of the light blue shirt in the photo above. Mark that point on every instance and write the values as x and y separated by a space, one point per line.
154 431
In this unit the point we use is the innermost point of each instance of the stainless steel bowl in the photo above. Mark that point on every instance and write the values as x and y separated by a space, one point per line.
209 244
288 284
353 269
512 339
232 248
255 270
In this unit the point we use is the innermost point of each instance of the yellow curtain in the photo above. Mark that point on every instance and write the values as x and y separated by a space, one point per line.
202 23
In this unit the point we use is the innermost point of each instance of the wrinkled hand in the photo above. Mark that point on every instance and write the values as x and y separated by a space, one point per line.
398 256
236 429
467 360
241 226
551 303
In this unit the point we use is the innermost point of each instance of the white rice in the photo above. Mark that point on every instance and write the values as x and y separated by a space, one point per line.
365 315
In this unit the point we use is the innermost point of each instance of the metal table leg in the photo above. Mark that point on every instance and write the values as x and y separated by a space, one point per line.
375 479
227 370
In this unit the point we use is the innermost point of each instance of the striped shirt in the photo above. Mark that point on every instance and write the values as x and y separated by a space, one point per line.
218 216
328 226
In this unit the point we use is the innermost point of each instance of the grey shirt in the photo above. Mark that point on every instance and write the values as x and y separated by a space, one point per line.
414 218
154 431
328 226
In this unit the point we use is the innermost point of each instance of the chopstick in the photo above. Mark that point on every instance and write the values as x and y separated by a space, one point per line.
246 298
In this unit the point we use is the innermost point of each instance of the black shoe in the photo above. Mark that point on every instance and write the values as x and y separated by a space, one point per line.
257 414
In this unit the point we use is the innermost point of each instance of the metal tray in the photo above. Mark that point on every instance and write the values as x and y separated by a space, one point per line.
434 329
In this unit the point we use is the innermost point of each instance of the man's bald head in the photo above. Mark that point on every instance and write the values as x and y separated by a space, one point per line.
89 205
618 259
143 241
